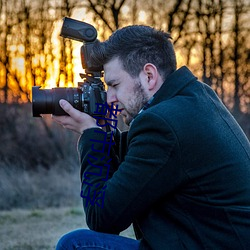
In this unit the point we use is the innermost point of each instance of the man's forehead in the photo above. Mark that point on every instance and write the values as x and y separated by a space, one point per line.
113 63
112 70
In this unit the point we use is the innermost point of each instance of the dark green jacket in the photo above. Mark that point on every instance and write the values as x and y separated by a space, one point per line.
185 180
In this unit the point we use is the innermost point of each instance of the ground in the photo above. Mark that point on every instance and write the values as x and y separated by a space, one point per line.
22 229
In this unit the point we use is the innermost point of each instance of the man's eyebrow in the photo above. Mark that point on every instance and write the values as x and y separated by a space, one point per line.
110 82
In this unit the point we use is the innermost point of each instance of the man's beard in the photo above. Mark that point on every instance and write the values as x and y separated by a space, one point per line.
135 103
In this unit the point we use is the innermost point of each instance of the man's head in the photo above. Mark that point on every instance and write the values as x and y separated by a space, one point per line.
136 61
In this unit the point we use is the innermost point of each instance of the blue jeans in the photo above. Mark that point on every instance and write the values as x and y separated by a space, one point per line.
90 240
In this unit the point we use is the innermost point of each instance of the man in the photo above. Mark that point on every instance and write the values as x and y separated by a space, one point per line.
185 179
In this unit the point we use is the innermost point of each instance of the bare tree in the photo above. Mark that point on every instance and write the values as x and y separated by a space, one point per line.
239 53
11 88
66 8
4 56
217 31
211 36
107 11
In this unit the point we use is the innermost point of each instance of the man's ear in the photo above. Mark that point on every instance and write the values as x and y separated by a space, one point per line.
152 75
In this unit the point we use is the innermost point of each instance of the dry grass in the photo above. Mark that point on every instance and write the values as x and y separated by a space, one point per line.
39 164
40 229
41 188
39 181
36 229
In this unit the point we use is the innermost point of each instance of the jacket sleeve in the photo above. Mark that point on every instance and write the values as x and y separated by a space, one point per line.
149 172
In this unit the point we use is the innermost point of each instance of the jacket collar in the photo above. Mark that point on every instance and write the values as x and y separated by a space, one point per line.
173 84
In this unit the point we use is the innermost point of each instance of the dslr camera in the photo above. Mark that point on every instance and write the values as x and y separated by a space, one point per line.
89 92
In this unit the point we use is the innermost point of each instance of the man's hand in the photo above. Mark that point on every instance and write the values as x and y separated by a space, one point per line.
76 121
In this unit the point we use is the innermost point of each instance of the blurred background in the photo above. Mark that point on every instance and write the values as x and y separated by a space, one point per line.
38 160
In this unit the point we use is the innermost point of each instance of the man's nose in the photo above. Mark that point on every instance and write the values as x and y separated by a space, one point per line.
111 97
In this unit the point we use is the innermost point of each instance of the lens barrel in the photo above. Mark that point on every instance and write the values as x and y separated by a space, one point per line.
46 101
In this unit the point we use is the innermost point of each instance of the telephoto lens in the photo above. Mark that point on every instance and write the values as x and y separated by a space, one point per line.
46 101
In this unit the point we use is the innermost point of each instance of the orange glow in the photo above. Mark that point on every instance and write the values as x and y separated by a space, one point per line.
43 67
180 59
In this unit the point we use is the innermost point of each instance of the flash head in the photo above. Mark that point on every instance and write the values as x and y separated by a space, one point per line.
87 34
77 30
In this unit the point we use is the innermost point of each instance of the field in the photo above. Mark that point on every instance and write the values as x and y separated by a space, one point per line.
39 180
40 229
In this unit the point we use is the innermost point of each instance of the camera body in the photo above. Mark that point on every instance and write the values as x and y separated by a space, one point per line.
89 92
83 98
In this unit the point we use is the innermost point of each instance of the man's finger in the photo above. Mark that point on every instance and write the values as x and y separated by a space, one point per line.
68 108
